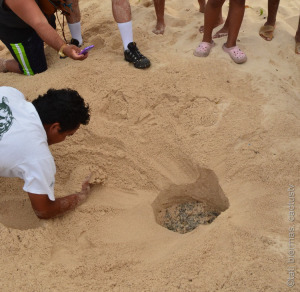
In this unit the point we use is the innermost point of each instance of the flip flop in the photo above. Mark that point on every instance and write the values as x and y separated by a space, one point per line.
267 32
235 54
297 48
203 49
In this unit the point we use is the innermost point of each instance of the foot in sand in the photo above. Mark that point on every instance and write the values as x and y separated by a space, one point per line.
297 39
159 28
267 32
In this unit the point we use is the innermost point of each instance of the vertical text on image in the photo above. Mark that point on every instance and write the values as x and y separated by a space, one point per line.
291 241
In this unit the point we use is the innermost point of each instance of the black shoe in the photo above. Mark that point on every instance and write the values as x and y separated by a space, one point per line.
75 43
133 55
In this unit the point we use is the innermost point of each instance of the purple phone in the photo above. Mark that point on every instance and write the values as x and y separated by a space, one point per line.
85 50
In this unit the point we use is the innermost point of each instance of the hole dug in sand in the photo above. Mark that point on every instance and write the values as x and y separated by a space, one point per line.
18 214
181 208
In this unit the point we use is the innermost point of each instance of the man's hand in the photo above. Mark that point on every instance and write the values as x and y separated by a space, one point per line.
46 209
85 188
72 52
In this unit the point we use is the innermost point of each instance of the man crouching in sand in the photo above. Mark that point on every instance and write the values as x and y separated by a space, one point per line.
26 131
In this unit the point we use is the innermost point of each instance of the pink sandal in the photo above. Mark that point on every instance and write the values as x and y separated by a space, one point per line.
203 49
236 54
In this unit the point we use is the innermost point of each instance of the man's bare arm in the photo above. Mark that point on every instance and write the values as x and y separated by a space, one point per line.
30 13
46 209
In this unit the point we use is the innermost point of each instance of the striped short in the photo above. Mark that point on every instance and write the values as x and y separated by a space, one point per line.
29 54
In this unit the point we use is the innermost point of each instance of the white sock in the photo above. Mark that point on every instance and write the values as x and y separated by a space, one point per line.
126 33
75 29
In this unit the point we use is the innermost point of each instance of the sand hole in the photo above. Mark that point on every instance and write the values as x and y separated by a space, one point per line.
18 214
182 208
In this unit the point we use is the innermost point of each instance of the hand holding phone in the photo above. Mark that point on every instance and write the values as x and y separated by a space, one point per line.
85 50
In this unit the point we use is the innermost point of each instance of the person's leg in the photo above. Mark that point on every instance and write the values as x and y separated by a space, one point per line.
235 18
297 39
122 15
213 10
29 56
201 5
160 19
219 21
272 12
267 30
74 23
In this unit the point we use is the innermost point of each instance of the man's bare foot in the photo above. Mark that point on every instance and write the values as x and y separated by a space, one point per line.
221 33
219 22
159 29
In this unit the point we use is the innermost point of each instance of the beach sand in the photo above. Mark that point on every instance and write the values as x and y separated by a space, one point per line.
186 130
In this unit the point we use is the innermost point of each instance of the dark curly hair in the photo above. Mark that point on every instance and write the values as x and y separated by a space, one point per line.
63 106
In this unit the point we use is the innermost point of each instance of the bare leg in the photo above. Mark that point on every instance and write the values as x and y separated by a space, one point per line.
235 16
160 11
74 23
272 12
267 30
213 10
75 16
121 11
297 39
201 5
218 21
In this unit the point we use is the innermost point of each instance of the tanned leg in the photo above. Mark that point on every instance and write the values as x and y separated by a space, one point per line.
235 18
297 39
272 12
212 12
75 15
218 21
160 19
121 11
201 5
267 30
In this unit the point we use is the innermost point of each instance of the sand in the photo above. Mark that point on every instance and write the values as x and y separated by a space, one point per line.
188 129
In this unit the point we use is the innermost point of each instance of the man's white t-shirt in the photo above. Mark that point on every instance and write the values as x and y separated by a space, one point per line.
24 150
